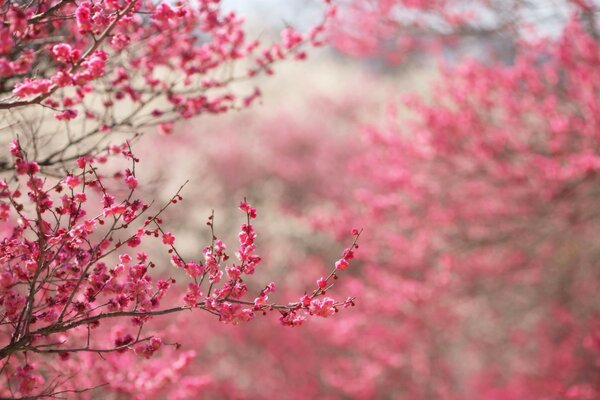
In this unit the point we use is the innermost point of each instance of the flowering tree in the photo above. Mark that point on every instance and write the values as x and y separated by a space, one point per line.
481 209
76 286
122 66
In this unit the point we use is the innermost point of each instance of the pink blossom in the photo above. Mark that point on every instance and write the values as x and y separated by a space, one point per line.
168 238
72 181
341 264
131 182
66 115
322 308
63 52
84 17
31 87
322 282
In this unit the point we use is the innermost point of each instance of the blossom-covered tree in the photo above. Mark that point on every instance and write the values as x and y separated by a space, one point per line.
121 66
77 292
480 212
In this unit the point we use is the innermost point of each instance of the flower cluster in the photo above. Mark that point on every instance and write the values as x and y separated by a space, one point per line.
193 40
73 264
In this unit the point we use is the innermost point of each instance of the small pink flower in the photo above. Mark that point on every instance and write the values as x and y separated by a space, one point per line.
81 162
66 115
341 264
23 167
32 87
305 300
72 181
148 350
322 282
84 17
131 181
260 300
15 148
322 308
64 53
247 208
193 269
168 238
